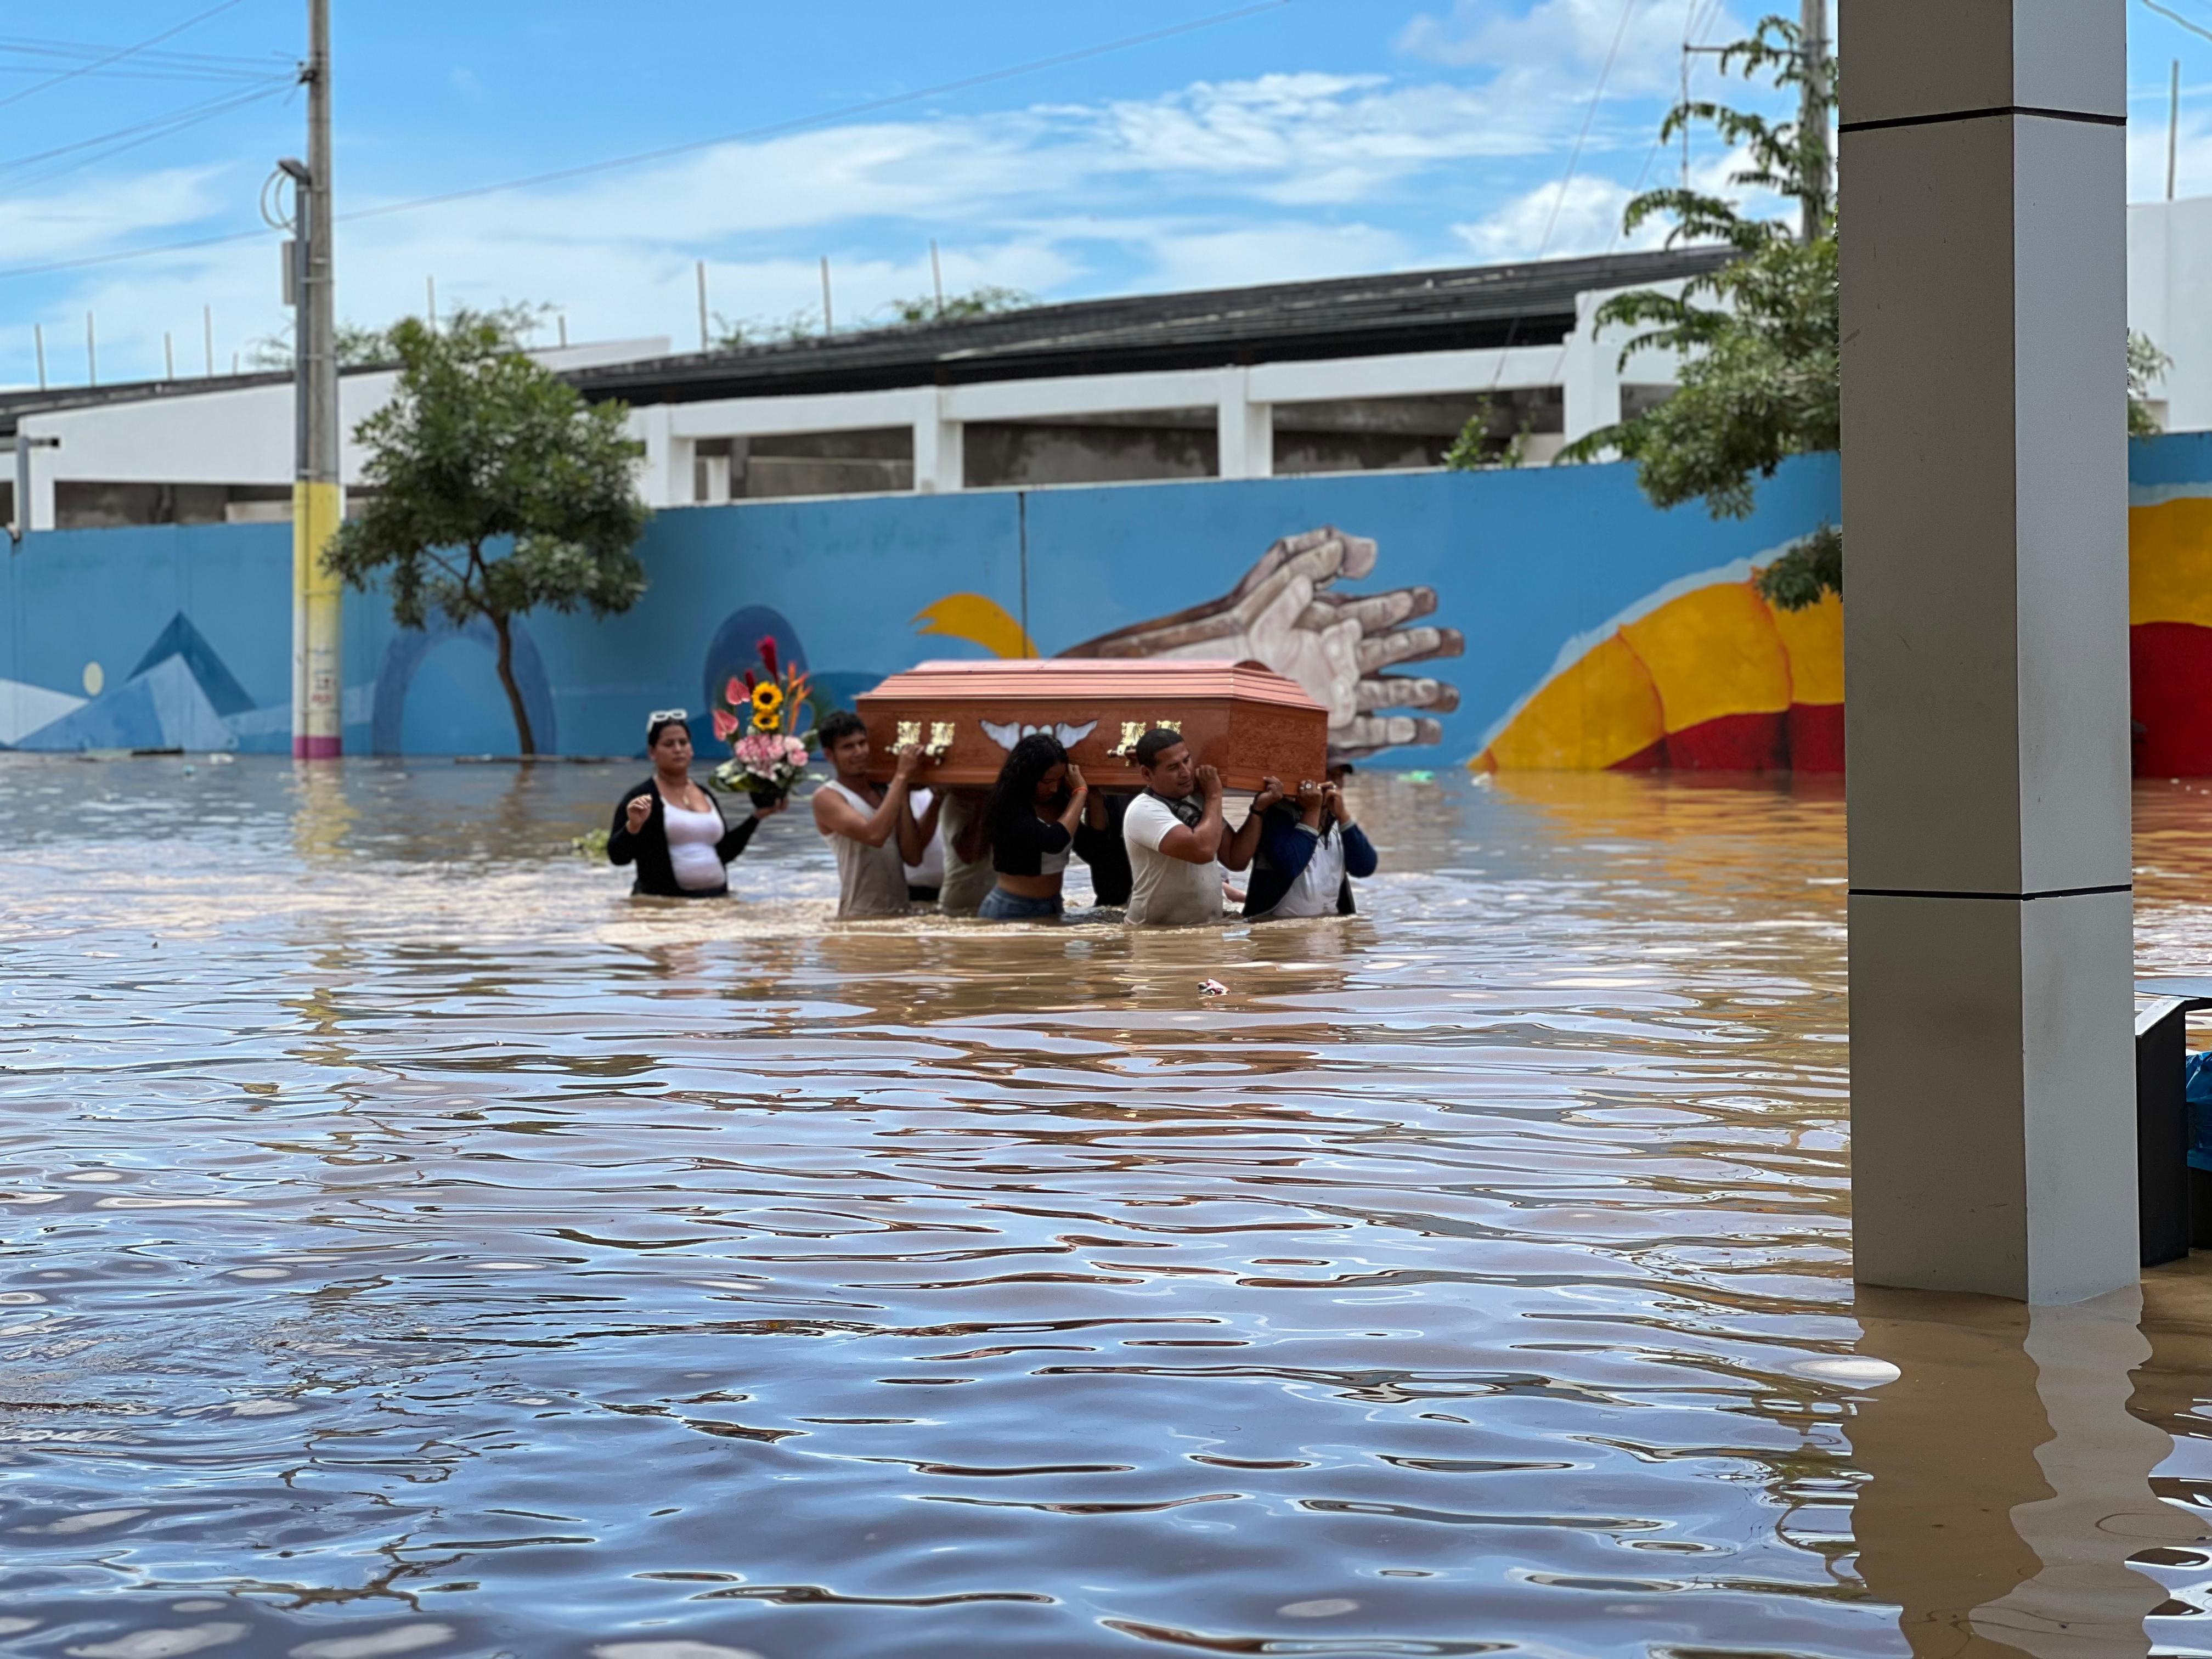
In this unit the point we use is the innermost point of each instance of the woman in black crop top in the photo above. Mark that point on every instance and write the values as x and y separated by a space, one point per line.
1032 815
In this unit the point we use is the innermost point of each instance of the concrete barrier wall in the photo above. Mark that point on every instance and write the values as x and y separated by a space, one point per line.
1486 587
1542 618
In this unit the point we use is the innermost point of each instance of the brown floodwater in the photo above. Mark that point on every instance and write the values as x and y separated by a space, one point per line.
411 1243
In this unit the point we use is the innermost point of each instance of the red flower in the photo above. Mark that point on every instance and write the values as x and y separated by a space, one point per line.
750 682
726 724
768 655
734 692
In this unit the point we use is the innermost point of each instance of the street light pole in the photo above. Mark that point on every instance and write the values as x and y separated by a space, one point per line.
318 506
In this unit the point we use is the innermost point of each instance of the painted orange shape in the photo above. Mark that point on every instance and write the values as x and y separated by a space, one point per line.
1602 710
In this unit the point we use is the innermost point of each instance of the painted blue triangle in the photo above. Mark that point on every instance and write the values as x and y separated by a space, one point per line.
181 639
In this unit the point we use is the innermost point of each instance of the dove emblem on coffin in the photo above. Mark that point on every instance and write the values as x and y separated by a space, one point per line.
1012 731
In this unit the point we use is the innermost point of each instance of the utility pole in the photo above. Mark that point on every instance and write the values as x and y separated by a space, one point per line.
39 334
703 341
207 333
1812 119
91 352
937 275
318 505
829 318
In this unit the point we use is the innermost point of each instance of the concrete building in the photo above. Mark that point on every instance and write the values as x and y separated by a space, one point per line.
1357 374
1363 374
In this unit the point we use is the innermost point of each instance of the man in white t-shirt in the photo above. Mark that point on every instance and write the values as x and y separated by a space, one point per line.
1175 836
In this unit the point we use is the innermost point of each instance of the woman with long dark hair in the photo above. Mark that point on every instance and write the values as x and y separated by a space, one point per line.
1032 815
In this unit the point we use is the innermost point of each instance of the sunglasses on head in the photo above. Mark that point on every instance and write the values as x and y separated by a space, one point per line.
661 715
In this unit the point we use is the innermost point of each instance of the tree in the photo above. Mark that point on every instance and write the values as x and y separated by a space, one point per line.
497 490
362 347
1759 339
987 300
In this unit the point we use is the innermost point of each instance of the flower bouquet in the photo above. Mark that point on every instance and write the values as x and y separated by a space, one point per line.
758 717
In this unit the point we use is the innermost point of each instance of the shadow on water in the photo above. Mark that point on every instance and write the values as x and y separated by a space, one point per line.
409 1243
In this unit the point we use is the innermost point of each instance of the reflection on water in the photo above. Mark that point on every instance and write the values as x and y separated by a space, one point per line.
412 1244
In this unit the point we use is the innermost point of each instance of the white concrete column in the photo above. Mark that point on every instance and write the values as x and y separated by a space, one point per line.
665 478
1246 429
35 466
1984 506
1589 374
940 451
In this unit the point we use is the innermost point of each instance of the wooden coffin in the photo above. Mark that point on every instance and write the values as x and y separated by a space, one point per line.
1243 718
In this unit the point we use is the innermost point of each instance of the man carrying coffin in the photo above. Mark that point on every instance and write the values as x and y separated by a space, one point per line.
1176 836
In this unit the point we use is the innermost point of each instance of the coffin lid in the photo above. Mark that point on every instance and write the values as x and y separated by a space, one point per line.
1060 678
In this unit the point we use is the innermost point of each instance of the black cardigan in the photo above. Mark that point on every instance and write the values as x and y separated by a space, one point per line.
648 848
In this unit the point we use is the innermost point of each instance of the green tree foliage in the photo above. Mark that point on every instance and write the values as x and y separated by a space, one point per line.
1479 448
496 490
361 347
1761 375
987 300
1758 338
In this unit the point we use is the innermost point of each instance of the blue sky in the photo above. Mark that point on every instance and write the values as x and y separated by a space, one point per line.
1310 138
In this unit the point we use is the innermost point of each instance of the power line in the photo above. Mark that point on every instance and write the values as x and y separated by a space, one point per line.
774 130
28 46
117 57
175 117
1574 161
2175 17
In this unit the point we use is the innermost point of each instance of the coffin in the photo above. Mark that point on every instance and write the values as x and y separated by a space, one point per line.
1241 717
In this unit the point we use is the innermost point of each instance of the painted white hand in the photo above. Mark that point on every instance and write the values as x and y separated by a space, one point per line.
1285 613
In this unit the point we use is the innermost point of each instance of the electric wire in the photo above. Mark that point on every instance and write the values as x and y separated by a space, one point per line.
2177 18
163 130
774 129
175 117
118 55
1574 162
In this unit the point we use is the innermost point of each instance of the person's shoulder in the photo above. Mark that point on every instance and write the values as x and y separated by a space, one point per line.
1147 820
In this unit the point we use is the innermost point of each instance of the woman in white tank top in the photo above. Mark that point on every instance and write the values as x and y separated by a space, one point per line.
670 828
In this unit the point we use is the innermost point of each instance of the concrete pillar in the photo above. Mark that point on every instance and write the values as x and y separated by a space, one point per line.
1589 374
35 477
1984 505
940 451
1246 429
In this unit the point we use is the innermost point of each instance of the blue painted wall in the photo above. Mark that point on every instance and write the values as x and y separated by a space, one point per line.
1520 563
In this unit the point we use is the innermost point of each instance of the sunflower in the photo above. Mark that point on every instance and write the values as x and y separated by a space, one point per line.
767 697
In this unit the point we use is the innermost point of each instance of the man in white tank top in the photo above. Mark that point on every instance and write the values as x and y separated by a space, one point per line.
873 830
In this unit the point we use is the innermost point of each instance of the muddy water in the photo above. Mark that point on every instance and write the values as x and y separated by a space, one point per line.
409 1243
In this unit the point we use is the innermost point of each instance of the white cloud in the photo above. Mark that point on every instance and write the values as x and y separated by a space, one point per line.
1278 178
1559 40
1584 218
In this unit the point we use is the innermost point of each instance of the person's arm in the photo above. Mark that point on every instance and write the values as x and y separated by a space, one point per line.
623 835
1078 800
1238 855
733 841
927 823
1199 843
1359 859
913 842
835 816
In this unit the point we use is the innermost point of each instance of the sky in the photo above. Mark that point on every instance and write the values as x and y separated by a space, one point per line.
1052 148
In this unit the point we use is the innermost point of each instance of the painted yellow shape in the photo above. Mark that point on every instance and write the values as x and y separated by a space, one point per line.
2170 563
1594 714
1814 640
979 621
1712 653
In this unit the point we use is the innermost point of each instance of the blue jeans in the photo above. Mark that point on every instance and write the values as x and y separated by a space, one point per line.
1002 906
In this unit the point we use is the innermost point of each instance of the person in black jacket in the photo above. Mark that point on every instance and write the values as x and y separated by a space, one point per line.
670 829
1310 851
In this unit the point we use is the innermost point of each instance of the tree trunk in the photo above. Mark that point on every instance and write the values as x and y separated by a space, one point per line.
522 732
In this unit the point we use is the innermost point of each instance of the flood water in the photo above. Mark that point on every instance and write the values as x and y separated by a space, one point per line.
409 1244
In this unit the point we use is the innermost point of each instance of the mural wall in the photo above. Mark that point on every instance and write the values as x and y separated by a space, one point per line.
1425 608
1542 618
